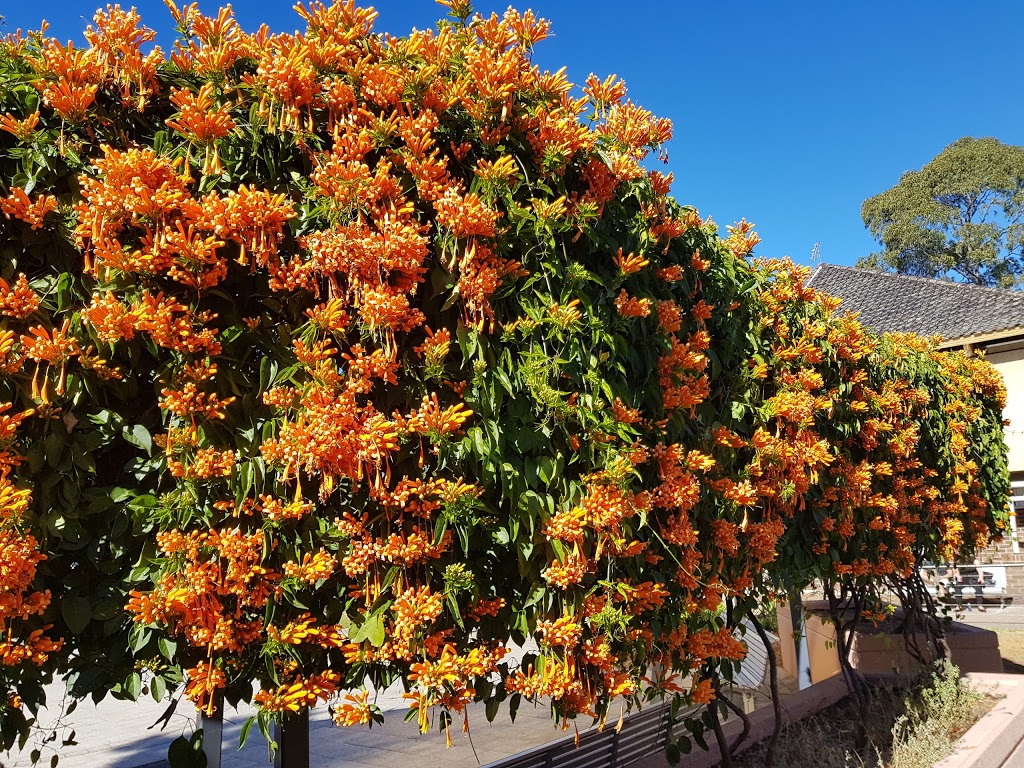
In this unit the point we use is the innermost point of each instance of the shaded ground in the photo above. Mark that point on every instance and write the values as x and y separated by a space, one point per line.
829 738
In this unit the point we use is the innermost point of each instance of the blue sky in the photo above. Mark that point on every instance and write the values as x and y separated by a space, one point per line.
789 114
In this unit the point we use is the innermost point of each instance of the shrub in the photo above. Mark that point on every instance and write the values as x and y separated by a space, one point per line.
356 358
928 730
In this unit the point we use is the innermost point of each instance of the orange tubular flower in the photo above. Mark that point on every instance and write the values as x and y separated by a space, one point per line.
20 129
300 693
433 422
20 301
51 347
355 709
607 93
118 39
71 79
465 216
216 44
204 681
630 264
17 205
198 121
254 219
564 632
629 306
742 238
20 642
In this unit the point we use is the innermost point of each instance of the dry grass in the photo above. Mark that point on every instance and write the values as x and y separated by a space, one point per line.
1011 647
829 738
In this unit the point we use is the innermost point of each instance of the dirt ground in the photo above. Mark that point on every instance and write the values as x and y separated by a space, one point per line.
1011 647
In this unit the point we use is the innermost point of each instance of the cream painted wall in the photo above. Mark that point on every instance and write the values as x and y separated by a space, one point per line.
1011 365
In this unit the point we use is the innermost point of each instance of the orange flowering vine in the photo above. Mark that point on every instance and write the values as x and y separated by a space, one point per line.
378 356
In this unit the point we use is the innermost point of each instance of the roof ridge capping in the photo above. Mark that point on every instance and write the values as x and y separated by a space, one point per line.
935 281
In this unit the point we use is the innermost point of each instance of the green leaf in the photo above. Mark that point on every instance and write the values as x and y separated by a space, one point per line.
244 736
453 605
138 637
440 528
139 436
479 441
672 753
53 445
375 634
491 709
167 648
372 629
77 612
158 688
133 686
187 753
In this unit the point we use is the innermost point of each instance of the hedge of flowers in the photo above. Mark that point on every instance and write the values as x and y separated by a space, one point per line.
333 358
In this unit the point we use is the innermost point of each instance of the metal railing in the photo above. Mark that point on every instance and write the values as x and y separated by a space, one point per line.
642 734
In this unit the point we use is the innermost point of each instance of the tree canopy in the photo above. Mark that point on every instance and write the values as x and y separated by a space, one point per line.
960 217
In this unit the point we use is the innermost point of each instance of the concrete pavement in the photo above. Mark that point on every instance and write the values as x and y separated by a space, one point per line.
993 617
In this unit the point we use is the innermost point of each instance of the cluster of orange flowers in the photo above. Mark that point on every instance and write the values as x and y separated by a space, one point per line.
71 78
22 642
18 205
215 601
138 216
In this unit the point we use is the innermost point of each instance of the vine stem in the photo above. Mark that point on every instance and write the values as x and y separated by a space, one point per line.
716 725
738 711
773 683
851 597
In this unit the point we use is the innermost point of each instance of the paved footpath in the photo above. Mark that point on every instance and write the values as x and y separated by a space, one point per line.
993 617
114 735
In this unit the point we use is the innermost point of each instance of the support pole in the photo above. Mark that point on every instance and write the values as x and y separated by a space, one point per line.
213 732
292 738
803 657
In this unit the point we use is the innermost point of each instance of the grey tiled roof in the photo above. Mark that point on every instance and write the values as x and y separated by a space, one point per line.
892 302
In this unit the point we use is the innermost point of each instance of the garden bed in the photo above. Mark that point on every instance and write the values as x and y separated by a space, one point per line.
906 728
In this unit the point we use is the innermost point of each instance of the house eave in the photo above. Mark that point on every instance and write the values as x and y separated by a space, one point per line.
981 338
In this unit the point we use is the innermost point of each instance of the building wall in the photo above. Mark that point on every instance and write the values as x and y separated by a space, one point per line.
1011 365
